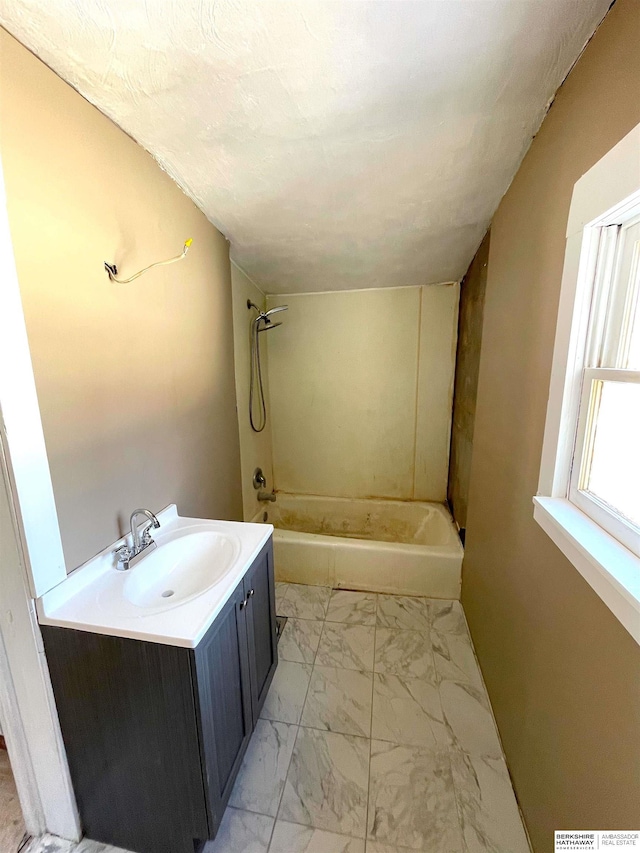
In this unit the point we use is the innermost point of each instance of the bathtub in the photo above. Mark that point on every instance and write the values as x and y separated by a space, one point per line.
403 547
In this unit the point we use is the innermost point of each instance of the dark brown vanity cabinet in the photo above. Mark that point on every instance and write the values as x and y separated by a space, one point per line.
155 734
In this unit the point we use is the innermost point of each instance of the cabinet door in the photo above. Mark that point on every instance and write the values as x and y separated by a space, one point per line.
128 716
261 626
224 690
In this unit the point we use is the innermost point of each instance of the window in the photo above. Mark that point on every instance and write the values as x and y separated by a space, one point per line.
588 498
605 470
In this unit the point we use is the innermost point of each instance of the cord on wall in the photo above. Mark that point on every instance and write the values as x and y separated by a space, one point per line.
112 269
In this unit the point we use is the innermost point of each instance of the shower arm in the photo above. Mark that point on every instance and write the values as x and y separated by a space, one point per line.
265 315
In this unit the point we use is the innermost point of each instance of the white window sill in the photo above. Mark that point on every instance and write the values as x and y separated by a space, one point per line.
609 568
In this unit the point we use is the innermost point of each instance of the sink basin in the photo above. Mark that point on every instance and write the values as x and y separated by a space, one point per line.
172 594
180 569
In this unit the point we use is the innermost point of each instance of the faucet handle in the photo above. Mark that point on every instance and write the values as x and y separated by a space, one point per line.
124 554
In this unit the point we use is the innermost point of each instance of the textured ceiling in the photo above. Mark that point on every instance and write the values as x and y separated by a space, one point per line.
336 144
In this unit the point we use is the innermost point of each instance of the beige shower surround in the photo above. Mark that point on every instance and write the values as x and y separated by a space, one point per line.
361 386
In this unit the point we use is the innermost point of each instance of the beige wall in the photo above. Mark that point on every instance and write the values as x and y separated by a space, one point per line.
562 673
255 447
472 292
361 386
135 382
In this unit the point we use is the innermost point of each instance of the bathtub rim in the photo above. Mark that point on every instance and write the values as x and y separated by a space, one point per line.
452 548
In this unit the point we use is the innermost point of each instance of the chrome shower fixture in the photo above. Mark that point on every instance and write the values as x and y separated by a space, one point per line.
265 316
261 323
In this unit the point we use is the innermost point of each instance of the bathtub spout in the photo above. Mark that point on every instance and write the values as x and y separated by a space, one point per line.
266 496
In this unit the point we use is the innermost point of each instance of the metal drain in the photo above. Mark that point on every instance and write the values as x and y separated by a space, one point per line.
167 593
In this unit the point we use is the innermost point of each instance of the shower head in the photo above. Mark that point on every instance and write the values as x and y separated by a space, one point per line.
265 317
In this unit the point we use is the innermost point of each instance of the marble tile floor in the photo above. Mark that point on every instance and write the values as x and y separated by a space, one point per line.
376 737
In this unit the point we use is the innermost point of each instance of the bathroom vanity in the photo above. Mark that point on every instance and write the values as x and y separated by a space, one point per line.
157 707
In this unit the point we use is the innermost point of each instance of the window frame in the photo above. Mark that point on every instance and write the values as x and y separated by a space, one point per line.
607 195
612 305
607 517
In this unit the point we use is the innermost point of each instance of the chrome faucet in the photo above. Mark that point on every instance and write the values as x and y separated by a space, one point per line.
146 533
129 556
260 483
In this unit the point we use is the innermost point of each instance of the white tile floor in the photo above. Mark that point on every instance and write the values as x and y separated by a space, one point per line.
376 737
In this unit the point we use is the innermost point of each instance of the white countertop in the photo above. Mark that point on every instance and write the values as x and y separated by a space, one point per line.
91 599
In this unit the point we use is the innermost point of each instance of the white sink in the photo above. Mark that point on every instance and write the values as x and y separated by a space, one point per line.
172 595
178 570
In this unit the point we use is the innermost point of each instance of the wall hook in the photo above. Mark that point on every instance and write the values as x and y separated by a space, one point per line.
112 269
